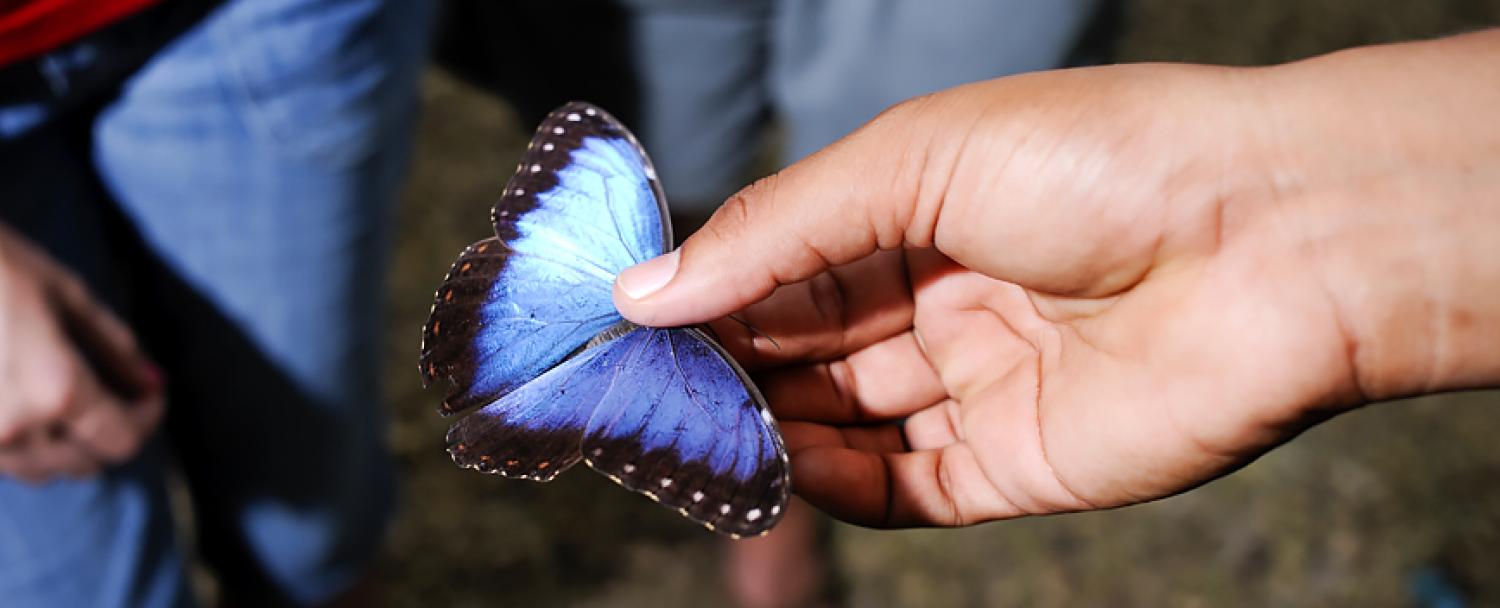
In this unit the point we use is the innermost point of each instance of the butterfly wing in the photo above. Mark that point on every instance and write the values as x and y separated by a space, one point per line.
534 431
666 413
583 205
683 425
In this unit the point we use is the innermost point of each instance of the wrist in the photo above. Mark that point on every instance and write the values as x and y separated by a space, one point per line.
1391 159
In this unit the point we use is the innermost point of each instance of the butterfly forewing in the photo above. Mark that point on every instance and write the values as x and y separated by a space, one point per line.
594 185
583 205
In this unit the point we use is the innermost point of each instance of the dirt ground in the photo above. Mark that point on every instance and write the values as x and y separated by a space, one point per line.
1342 516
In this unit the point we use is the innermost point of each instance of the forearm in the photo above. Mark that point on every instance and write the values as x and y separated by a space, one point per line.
1392 154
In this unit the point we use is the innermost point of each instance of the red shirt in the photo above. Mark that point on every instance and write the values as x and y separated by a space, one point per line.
32 27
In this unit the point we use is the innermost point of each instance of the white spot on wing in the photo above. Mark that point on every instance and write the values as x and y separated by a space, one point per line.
666 482
775 510
628 468
752 515
724 509
558 130
547 147
574 117
591 112
697 497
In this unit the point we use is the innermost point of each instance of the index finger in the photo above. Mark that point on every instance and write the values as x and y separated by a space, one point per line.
831 315
862 194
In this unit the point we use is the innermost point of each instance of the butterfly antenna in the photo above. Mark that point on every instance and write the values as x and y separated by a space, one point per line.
757 332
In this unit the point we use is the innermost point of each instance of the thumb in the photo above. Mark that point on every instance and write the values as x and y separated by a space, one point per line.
839 205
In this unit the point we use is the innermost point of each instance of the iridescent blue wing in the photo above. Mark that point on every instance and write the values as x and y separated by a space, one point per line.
683 425
583 205
534 431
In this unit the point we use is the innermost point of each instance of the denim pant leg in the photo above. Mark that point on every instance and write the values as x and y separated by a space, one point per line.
838 63
700 71
259 156
710 72
106 541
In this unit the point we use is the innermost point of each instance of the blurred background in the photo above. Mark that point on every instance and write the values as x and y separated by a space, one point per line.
1364 510
218 171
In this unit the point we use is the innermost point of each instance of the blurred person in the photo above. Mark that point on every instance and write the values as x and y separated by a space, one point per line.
194 216
700 82
1083 289
712 76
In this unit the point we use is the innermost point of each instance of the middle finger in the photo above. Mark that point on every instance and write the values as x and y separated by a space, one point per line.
887 380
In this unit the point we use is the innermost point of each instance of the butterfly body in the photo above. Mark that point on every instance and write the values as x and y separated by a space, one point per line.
524 326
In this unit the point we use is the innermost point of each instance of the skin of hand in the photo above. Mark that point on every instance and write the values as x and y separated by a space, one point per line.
57 417
1090 288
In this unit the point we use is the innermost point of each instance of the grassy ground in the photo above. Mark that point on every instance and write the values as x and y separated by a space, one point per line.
1341 516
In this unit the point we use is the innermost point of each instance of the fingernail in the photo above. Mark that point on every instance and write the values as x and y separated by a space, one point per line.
648 277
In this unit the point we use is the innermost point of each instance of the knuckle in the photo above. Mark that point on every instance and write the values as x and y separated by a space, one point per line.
121 447
904 110
730 221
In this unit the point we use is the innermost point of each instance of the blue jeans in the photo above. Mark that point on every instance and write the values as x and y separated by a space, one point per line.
233 202
710 71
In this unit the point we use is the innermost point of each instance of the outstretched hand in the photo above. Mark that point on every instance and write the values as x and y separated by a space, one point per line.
1085 289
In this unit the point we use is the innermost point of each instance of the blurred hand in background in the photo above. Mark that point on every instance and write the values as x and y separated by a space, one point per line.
58 416
1091 288
220 173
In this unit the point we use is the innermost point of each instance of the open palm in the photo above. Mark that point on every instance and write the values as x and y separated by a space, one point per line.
915 391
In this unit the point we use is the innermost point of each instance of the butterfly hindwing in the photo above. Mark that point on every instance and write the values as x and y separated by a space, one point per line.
534 432
583 205
683 425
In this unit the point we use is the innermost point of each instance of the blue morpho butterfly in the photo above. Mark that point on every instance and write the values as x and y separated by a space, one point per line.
525 328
